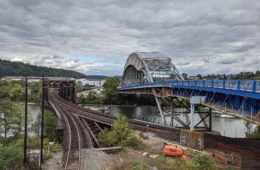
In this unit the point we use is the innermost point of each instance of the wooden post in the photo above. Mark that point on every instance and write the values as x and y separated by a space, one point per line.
42 123
171 112
251 113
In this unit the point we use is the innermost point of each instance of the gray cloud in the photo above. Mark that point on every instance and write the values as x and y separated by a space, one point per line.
183 63
190 32
228 61
46 57
57 57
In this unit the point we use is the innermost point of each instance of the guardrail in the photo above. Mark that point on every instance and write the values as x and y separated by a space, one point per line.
241 85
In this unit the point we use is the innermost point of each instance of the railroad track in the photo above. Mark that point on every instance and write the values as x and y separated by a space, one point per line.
83 113
73 142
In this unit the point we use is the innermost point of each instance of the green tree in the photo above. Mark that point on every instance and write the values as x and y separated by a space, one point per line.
79 84
199 76
82 99
119 134
8 68
256 133
11 155
10 90
12 120
248 126
110 86
49 124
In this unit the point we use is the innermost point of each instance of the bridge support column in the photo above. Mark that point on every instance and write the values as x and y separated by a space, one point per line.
193 101
192 109
210 119
160 109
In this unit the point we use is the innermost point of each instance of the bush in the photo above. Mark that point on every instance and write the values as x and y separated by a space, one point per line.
10 156
138 166
198 162
135 143
119 134
105 137
202 162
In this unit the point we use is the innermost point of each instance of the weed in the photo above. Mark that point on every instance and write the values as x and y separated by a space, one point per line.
135 143
138 166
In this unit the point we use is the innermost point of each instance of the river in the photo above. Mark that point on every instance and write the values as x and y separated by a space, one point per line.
232 127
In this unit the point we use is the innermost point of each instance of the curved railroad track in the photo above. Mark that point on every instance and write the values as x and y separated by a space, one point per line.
73 141
166 132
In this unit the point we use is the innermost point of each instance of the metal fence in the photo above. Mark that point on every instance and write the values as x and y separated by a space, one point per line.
241 85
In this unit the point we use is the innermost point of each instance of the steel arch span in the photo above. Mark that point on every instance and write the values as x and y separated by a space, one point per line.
148 67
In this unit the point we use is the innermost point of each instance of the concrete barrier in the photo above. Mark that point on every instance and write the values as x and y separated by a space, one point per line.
192 139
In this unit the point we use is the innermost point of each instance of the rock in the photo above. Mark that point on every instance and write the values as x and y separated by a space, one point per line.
144 154
121 160
154 168
154 156
144 136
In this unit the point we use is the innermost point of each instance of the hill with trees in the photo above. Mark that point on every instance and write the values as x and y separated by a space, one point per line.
8 68
239 76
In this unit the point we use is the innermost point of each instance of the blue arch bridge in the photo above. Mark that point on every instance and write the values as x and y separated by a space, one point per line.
154 73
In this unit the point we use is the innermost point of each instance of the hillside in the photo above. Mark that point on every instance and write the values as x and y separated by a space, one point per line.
8 68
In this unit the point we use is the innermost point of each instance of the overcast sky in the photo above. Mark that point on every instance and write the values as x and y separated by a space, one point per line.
96 37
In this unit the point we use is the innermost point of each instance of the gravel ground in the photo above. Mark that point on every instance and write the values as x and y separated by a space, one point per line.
95 160
54 163
152 141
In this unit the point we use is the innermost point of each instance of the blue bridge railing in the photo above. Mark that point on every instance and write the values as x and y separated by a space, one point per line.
241 85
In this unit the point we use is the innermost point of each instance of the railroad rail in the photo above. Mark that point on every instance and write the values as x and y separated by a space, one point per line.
166 132
72 143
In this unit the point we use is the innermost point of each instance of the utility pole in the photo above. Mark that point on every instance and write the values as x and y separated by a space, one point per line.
42 120
25 121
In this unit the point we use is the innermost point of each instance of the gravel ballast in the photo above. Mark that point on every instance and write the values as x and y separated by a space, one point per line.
92 159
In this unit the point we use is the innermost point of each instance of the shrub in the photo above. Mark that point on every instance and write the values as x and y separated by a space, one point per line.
202 162
135 143
105 137
138 166
10 155
119 134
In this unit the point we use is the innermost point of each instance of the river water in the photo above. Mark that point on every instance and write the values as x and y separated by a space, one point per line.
232 127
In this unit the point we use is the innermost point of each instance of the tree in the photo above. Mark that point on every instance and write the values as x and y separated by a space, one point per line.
256 133
13 117
79 84
82 99
11 90
8 68
49 124
110 86
248 126
119 134
10 156
199 76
